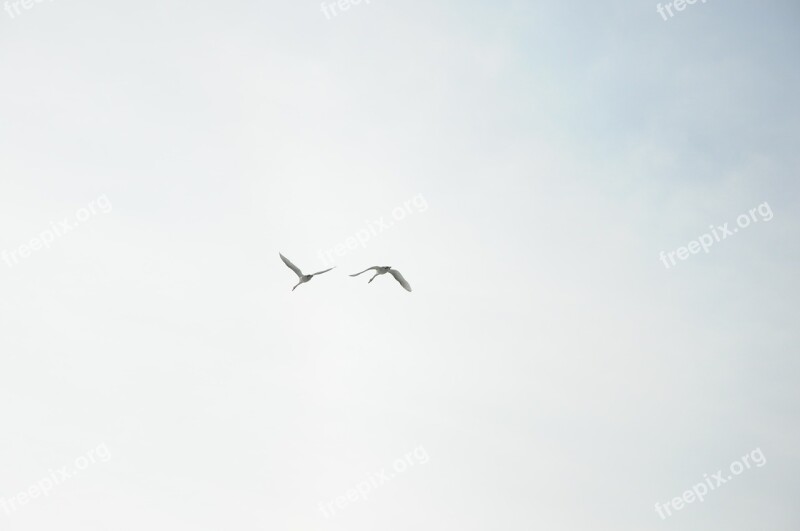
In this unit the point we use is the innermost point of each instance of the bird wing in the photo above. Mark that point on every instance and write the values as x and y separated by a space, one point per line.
398 277
291 266
320 272
367 269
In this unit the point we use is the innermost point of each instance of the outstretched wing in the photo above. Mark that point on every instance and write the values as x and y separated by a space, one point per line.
320 272
291 266
398 277
367 269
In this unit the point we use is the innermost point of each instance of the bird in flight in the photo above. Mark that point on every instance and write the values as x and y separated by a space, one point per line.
387 269
303 278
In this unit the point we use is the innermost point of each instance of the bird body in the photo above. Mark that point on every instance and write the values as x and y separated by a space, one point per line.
382 270
301 277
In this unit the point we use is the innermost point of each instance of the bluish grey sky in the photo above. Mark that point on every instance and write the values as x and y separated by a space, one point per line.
551 369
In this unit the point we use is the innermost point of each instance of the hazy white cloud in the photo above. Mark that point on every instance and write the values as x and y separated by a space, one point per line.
559 376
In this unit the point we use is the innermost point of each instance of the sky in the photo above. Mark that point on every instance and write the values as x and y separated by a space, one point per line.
595 205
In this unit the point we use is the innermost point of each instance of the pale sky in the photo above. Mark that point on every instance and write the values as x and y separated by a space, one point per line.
551 370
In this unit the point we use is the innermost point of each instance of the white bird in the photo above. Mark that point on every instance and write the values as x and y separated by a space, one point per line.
303 278
387 269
